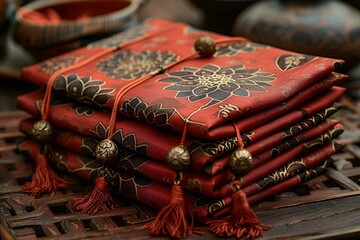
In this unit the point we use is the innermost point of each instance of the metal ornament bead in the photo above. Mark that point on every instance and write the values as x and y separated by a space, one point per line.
42 131
206 46
241 162
178 158
106 151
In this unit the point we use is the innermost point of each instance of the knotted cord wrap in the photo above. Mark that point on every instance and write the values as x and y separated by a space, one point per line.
171 220
183 137
240 142
44 178
117 101
87 200
47 185
47 98
146 77
242 220
99 199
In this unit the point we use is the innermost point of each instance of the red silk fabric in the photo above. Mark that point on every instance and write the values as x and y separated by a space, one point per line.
156 195
219 185
280 101
140 137
244 78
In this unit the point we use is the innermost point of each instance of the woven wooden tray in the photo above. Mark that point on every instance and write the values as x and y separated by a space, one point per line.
327 207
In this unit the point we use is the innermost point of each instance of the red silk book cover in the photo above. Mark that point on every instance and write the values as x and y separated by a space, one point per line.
164 92
152 142
218 185
154 194
241 78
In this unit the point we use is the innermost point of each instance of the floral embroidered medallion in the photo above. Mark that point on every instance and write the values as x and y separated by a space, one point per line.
54 64
121 37
156 115
129 65
232 49
288 62
126 175
217 83
84 89
100 132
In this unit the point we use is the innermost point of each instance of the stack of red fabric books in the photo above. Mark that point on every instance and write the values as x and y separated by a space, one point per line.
172 114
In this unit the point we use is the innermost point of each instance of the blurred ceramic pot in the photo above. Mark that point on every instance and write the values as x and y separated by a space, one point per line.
219 15
64 24
326 27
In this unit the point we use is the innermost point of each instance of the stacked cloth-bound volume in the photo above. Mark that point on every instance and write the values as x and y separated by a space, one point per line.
193 123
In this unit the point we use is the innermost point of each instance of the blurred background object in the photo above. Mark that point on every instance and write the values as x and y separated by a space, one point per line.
47 28
287 24
219 15
3 5
178 11
327 28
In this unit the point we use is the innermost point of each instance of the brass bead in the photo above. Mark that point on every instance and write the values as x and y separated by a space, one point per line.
241 162
42 131
106 151
206 46
178 158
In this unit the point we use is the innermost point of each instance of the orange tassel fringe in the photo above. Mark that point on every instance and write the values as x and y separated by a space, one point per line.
44 178
241 222
171 220
99 198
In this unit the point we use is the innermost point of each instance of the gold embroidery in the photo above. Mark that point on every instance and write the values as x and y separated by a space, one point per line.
216 206
226 109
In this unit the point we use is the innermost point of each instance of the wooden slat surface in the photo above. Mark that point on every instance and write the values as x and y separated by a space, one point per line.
327 207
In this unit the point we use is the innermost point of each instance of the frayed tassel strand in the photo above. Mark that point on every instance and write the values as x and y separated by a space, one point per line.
44 179
242 221
97 200
171 220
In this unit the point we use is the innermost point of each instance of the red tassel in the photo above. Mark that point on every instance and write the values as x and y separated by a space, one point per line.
99 199
241 222
44 178
171 220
